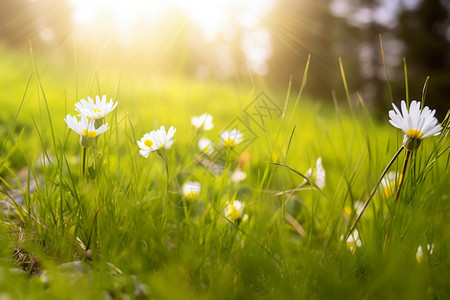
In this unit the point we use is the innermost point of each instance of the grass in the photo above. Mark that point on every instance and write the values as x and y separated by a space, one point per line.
104 236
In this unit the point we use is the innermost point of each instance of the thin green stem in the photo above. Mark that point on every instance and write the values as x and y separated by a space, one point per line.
283 203
344 81
166 193
185 209
406 80
397 194
373 192
84 161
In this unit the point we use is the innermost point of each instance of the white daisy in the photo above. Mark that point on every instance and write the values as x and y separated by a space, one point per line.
317 175
204 121
234 211
155 140
95 110
417 124
191 189
85 128
206 146
231 138
238 175
353 241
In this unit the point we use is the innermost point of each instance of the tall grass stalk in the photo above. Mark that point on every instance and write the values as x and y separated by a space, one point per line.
372 193
397 195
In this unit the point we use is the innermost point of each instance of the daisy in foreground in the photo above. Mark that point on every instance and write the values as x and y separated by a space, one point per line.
231 138
85 128
95 110
417 124
156 140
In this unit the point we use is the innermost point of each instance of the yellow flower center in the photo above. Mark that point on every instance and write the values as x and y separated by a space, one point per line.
233 213
95 110
191 195
351 245
389 189
314 175
228 143
148 143
414 133
206 149
91 134
348 210
419 258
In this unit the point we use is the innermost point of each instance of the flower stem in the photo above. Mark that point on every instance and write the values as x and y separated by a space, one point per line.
185 208
84 161
166 193
397 194
373 192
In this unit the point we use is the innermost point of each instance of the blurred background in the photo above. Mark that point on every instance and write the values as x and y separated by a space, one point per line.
267 40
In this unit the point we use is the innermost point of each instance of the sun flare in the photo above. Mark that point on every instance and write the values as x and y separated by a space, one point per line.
211 27
211 16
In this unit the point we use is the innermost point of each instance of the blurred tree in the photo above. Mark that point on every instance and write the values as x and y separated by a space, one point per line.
417 31
351 29
300 28
424 32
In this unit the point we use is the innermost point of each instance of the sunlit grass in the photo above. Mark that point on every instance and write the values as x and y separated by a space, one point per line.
111 222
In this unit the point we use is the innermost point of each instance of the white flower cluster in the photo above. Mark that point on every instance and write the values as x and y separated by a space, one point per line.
91 123
229 139
156 140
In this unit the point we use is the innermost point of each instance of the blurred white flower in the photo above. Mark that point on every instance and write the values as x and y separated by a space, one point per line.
417 124
419 254
388 184
155 140
206 146
234 211
238 175
95 110
204 121
191 189
358 206
85 128
353 241
317 175
231 138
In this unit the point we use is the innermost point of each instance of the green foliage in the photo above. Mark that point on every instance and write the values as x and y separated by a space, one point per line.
105 234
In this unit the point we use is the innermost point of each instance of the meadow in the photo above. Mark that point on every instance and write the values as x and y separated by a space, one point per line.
124 228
